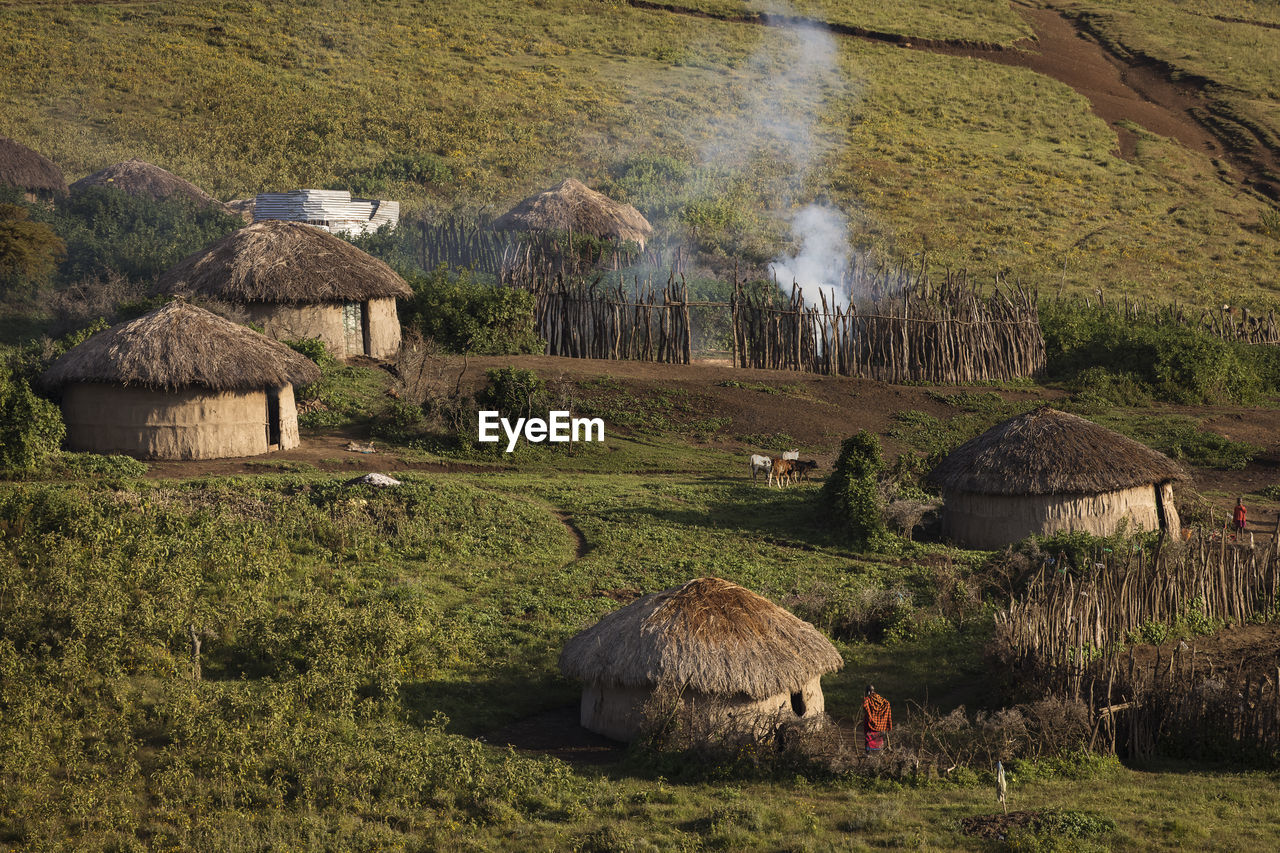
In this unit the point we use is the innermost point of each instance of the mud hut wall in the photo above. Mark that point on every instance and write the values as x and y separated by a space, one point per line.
1169 510
993 521
288 418
187 424
384 327
618 712
325 321
295 322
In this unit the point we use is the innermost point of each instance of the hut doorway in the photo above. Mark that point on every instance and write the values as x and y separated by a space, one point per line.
273 420
352 324
366 346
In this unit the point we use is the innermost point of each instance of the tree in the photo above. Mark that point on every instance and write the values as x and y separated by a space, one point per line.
29 251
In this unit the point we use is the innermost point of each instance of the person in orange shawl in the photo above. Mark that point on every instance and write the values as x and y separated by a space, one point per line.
877 720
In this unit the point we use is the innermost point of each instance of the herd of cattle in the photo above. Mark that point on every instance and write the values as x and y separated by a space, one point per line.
789 468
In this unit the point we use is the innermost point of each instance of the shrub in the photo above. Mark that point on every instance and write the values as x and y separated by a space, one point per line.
314 349
1125 358
515 393
465 315
852 492
31 427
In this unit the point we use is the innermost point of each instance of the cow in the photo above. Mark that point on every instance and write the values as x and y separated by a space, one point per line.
782 469
759 464
803 467
791 455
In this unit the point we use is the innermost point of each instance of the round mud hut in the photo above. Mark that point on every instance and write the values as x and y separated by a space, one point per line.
180 383
298 282
36 175
573 206
740 662
144 180
1046 472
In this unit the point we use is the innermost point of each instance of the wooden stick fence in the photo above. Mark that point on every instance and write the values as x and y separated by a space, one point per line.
1065 635
587 321
946 335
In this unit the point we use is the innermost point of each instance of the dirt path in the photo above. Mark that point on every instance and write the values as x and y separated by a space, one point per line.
1140 89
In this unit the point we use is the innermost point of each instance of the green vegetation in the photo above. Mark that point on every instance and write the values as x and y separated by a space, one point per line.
852 492
29 251
354 641
1123 361
1004 169
462 314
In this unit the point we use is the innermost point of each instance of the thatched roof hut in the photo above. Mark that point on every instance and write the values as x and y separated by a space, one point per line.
299 282
35 174
180 383
732 652
1048 471
144 180
573 206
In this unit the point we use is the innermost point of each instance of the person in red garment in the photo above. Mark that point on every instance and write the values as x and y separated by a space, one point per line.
1238 517
877 720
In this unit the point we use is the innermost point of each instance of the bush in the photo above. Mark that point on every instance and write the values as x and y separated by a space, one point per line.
465 315
515 393
31 427
852 492
1101 353
314 349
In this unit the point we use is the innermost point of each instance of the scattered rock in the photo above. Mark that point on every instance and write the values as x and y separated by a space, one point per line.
380 481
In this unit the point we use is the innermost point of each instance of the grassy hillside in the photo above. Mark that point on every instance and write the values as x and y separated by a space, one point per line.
451 105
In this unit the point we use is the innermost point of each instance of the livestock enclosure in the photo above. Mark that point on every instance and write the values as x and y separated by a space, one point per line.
949 334
1068 635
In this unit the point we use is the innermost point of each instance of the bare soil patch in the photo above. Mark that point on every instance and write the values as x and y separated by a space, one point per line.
1244 651
996 827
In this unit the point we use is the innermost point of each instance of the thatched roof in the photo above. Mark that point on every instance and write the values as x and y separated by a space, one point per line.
709 635
285 262
138 178
573 206
27 170
180 346
1048 452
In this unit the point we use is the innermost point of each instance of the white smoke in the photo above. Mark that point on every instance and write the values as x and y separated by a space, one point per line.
796 70
821 260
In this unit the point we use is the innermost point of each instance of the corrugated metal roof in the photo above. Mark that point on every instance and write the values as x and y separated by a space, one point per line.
333 210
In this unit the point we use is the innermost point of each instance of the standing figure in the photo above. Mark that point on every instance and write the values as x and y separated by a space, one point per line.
1239 518
877 720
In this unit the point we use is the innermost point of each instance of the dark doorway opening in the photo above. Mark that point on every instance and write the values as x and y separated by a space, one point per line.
364 328
1160 510
273 420
797 704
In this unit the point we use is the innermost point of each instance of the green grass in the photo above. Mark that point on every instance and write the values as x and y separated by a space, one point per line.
341 624
980 165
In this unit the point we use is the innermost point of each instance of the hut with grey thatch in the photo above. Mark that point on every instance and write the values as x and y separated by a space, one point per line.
573 206
298 282
180 383
36 175
1046 472
733 656
145 180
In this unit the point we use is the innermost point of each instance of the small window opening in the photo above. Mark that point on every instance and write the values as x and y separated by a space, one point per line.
797 704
